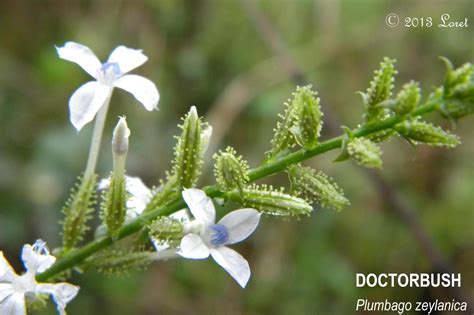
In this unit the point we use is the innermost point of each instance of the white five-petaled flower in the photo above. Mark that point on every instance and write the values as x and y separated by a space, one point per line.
204 237
15 288
90 97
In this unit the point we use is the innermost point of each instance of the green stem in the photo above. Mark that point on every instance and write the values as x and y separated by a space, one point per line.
77 256
96 139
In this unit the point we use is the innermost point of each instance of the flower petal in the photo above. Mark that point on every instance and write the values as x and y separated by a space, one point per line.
240 224
13 304
140 196
127 58
206 137
233 263
62 293
81 55
86 102
6 272
36 258
193 247
200 205
141 88
6 289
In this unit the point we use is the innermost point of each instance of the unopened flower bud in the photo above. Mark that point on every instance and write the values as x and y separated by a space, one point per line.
275 202
407 99
365 152
231 171
423 132
120 137
380 90
189 151
317 187
307 126
121 261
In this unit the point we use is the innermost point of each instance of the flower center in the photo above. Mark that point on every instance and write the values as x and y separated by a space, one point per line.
111 65
108 73
40 248
24 283
219 234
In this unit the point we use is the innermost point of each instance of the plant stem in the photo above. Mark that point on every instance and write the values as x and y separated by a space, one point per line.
265 170
96 139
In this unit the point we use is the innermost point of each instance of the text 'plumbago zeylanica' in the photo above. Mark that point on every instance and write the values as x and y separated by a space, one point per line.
176 219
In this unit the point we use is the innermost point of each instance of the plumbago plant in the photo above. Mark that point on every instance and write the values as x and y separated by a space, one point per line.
177 220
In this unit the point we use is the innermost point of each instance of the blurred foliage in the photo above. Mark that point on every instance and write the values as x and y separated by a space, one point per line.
198 51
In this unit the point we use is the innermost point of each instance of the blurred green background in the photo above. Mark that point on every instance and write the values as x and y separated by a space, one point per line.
208 54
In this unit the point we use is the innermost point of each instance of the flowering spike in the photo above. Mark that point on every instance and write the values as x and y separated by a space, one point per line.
77 211
380 90
231 171
317 187
423 132
307 125
407 99
190 149
365 152
270 201
121 261
166 230
458 91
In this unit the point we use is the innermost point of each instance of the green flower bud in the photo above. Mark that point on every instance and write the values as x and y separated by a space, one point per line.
121 261
275 202
77 211
307 125
317 187
365 152
423 132
231 171
407 99
164 193
380 90
283 140
190 149
457 93
166 230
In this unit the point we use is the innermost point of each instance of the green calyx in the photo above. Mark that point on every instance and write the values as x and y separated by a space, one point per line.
300 123
421 132
457 94
307 126
270 201
121 261
365 152
231 171
113 205
380 90
407 99
316 187
78 211
189 150
166 230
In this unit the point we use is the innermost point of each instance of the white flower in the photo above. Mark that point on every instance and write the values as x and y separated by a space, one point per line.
14 288
204 237
90 97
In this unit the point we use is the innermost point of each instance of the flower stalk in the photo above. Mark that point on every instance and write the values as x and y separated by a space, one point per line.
264 170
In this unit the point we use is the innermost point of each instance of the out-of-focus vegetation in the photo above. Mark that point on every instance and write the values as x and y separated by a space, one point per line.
199 52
